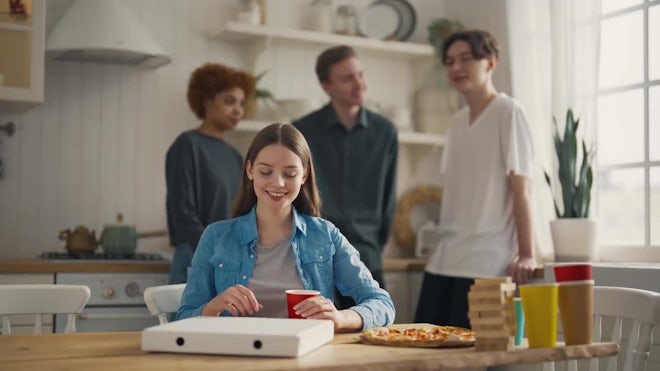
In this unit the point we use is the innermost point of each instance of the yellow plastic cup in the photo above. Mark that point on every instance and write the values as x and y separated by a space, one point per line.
540 306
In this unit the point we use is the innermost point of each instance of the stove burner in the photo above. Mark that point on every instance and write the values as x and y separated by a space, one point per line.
100 256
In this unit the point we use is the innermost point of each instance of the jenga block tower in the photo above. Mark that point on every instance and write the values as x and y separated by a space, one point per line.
492 314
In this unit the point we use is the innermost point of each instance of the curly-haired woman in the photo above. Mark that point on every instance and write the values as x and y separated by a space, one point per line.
202 170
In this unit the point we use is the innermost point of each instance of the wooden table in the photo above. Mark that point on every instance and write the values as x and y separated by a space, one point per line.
121 351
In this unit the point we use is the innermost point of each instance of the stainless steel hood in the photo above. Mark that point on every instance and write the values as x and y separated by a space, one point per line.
102 31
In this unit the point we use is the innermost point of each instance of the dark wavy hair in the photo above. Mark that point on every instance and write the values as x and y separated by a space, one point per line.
212 78
308 200
482 44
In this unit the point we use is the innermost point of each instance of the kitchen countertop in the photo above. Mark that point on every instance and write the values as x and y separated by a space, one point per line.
132 266
162 266
404 264
82 266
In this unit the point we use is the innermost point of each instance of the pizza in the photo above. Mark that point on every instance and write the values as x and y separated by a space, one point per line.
418 335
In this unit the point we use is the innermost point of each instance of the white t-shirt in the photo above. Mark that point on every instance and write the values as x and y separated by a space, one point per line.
477 227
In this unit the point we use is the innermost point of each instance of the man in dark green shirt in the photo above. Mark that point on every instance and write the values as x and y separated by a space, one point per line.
355 156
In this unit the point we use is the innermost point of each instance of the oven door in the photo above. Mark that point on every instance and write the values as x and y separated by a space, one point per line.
117 318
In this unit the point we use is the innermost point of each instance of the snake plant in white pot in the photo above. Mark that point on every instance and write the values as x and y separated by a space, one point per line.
573 232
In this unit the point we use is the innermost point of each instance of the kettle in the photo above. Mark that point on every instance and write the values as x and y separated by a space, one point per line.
80 241
119 238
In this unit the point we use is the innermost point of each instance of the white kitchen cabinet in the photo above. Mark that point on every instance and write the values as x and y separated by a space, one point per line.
24 323
404 287
22 62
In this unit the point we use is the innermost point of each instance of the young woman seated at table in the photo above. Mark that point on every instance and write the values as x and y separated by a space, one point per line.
277 241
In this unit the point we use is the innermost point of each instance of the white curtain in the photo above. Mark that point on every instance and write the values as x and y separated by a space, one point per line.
553 50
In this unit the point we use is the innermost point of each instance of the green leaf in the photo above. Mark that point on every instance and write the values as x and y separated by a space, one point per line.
575 183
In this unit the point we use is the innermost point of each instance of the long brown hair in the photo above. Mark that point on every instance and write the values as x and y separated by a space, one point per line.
308 200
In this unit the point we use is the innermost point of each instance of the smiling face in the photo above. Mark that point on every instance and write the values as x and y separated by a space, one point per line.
346 84
225 110
466 73
277 175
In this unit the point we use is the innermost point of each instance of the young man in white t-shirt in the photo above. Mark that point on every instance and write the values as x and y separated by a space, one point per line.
485 222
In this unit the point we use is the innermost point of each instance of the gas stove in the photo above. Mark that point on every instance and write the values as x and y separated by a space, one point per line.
100 256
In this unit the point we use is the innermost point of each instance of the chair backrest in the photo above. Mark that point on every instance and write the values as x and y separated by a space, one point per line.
42 299
627 317
162 300
639 307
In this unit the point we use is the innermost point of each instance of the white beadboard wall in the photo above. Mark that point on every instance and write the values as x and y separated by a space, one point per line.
96 146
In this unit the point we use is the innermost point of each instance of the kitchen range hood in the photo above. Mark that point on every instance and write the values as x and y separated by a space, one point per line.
102 31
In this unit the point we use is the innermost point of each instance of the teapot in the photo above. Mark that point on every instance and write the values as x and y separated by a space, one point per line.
119 238
80 241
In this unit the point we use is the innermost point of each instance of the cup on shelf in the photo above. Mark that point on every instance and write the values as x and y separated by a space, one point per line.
249 17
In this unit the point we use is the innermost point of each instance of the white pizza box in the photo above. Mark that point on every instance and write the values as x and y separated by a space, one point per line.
281 337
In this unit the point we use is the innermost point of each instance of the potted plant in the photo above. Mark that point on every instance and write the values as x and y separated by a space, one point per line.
259 95
573 233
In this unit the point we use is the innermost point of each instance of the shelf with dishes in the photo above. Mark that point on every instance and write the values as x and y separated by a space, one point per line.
245 32
405 137
22 69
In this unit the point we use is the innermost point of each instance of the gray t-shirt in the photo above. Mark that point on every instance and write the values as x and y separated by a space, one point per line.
274 272
203 174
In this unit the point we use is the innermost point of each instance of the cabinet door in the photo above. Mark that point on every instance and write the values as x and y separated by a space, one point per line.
22 64
397 285
24 323
416 279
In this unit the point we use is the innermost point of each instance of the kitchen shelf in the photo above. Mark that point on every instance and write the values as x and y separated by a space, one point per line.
15 27
405 137
23 67
244 32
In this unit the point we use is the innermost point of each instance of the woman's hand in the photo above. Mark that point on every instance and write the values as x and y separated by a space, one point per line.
237 300
318 307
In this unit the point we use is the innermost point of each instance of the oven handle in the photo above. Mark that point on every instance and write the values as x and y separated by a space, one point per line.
86 316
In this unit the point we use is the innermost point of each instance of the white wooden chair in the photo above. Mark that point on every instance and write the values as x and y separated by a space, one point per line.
40 300
627 317
162 300
622 315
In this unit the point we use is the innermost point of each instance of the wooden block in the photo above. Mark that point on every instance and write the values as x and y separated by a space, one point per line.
489 331
490 294
490 281
491 313
492 321
507 331
475 299
494 287
477 306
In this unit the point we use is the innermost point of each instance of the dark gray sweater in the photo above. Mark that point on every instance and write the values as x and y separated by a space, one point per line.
203 174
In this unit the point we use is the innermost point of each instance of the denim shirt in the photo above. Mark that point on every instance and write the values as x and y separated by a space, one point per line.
226 257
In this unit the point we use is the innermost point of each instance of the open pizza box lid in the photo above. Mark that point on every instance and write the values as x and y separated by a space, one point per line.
280 337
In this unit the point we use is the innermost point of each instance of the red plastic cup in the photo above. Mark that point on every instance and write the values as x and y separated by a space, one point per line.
573 272
294 297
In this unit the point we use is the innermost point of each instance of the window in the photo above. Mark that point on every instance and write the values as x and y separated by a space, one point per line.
628 132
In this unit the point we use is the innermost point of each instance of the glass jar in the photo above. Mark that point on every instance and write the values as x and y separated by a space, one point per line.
346 20
320 16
